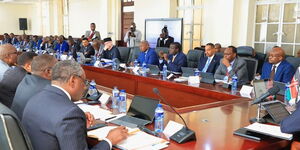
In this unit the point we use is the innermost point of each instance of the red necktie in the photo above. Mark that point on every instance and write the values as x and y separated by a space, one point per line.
91 36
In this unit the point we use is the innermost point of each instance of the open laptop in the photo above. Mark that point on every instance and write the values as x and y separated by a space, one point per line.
141 112
260 87
154 70
187 71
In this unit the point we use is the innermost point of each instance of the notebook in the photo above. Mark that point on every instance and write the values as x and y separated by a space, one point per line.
140 112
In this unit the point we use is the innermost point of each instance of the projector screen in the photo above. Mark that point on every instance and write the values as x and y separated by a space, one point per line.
153 29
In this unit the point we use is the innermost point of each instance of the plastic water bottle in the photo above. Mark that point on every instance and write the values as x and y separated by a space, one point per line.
287 94
115 95
159 119
165 73
122 101
136 63
234 84
144 67
92 89
114 64
197 72
79 59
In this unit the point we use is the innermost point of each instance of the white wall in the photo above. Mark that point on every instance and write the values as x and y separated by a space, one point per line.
10 14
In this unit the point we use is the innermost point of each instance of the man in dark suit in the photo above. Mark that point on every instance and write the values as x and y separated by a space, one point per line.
110 51
176 58
61 46
277 69
14 76
41 67
54 122
230 65
164 39
290 124
7 39
86 48
14 40
73 47
210 62
147 54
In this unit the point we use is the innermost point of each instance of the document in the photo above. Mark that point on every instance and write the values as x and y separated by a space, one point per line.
270 130
95 110
137 140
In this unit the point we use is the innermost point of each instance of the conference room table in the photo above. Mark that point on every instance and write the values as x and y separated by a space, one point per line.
210 110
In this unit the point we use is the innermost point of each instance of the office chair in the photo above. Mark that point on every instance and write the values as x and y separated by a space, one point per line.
134 54
245 51
294 61
251 67
193 57
124 52
12 134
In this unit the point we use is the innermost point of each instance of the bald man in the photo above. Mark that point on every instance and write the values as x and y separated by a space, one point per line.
147 54
8 58
277 68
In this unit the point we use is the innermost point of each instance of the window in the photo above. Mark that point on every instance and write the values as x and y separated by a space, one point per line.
277 23
190 11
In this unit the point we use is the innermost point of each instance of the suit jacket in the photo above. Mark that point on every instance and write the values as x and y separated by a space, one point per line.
149 58
164 42
9 84
29 86
290 124
14 41
175 66
111 54
64 47
54 122
96 35
213 66
239 68
87 51
284 72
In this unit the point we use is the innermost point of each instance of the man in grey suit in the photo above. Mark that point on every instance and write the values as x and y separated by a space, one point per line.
230 65
12 78
41 67
54 122
92 34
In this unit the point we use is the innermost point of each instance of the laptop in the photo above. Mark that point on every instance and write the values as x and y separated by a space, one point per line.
260 87
140 112
154 70
207 77
187 71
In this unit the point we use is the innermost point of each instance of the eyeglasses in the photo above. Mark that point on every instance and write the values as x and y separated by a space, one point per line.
86 82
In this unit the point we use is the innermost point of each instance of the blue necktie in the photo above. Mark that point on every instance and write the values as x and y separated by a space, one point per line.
206 64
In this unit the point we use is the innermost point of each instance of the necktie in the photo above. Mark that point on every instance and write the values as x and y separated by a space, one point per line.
173 58
272 73
206 65
91 36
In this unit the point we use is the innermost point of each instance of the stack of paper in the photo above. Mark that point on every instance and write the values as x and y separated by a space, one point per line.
270 130
136 140
95 110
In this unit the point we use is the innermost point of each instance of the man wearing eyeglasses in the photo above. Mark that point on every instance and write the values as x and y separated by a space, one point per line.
54 122
277 68
8 58
33 83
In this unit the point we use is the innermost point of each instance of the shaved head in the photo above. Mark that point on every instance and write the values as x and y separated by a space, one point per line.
8 54
276 55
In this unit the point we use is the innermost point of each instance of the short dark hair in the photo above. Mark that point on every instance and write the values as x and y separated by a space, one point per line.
85 39
25 58
177 45
93 24
211 45
42 62
233 49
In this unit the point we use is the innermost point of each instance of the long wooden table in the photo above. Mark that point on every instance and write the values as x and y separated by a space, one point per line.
210 110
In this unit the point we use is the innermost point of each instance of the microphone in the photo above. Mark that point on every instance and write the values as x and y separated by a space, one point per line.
272 91
183 135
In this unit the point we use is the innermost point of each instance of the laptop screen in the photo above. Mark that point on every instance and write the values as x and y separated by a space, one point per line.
143 108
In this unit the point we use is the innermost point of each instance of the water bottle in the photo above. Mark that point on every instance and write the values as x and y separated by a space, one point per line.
234 84
159 119
114 64
70 55
136 63
122 101
287 94
92 89
144 68
165 73
115 95
79 59
197 72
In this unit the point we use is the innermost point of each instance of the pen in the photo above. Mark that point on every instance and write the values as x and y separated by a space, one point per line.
110 118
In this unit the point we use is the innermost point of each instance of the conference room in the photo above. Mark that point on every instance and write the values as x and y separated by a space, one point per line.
149 74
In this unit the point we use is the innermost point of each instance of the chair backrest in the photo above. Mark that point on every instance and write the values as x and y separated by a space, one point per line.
134 54
294 61
245 51
221 54
193 57
164 49
261 57
251 67
124 52
12 134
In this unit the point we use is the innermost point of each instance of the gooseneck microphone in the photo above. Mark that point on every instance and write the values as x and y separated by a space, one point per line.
183 135
272 91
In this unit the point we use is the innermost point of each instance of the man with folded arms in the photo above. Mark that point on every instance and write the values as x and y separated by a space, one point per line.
54 122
